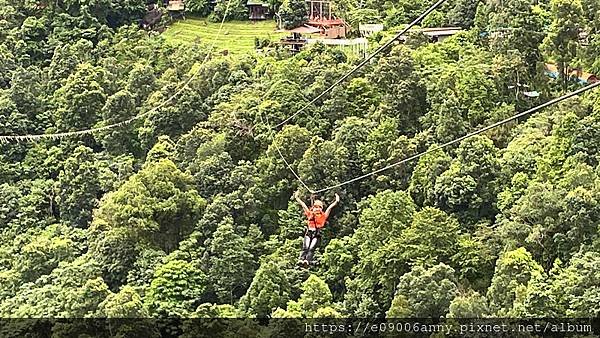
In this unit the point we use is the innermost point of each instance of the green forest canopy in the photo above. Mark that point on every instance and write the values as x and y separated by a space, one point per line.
188 211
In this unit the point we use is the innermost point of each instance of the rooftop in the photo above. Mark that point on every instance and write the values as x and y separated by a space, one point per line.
326 22
581 75
257 3
176 5
306 29
438 31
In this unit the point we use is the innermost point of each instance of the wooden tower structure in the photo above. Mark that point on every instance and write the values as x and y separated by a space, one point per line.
320 15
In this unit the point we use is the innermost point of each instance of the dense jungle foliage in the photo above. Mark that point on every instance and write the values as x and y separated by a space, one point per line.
189 211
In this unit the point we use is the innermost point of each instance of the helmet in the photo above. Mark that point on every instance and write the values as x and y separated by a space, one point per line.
318 203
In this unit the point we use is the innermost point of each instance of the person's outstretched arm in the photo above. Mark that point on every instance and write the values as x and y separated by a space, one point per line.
304 207
337 200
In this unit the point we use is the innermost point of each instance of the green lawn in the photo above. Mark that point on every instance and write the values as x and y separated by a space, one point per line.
236 36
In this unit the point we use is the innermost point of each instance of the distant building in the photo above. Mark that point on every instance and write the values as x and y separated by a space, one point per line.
320 21
296 41
370 29
176 8
581 76
321 17
358 46
258 10
437 34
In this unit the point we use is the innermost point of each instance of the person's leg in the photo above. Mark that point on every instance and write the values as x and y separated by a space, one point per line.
305 246
314 243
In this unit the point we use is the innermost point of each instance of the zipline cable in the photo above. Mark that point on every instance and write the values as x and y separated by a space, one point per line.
294 172
469 135
283 158
55 136
364 61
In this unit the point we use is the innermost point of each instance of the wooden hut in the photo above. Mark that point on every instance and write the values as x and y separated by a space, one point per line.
296 41
578 74
258 10
176 8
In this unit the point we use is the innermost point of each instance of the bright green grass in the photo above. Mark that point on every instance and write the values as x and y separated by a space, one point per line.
236 36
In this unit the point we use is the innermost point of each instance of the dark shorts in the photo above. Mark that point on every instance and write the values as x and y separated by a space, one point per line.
312 233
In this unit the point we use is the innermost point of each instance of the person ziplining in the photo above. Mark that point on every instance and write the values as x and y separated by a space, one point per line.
316 219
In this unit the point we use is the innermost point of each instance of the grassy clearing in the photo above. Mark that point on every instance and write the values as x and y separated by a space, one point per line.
236 36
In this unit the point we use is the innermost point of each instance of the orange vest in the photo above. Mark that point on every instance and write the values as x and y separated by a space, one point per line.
316 220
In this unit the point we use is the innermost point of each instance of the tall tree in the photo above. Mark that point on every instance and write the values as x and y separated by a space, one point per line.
80 100
468 305
424 293
385 145
176 286
315 296
514 271
422 181
403 95
323 163
269 289
431 238
562 41
119 107
293 13
383 218
157 207
231 263
79 187
470 185
513 26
